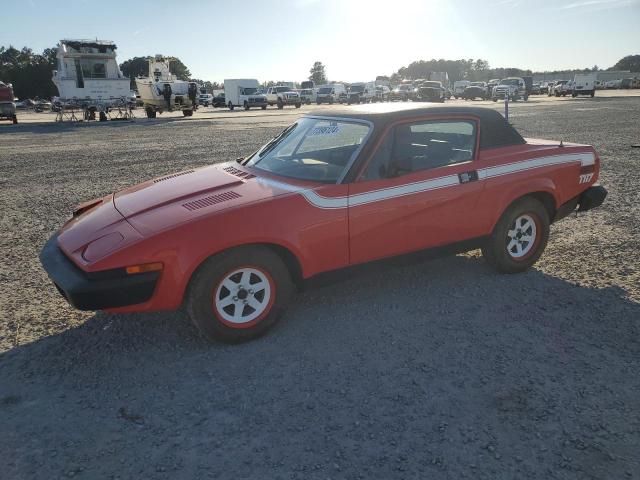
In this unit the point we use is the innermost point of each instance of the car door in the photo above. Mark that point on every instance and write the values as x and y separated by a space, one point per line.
418 190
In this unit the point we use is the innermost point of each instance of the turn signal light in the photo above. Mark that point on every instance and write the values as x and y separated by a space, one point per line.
144 268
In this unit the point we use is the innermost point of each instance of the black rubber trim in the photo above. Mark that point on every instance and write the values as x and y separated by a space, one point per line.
96 290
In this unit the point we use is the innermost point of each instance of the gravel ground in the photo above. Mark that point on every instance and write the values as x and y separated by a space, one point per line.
442 369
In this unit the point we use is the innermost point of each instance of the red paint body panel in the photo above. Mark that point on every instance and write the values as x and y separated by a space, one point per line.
183 219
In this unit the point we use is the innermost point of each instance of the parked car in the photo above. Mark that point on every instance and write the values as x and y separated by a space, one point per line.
282 95
243 92
404 92
219 101
613 84
513 87
307 95
491 85
25 104
229 242
458 88
544 88
563 88
584 84
205 99
430 92
474 91
7 104
361 92
536 89
382 93
332 93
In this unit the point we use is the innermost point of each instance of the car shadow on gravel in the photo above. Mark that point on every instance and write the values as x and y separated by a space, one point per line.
442 368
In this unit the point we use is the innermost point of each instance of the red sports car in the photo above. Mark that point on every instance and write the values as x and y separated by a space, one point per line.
337 188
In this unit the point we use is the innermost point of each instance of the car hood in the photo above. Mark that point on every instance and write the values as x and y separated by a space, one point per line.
160 203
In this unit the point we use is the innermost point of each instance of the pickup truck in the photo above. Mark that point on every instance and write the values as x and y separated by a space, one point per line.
513 87
281 96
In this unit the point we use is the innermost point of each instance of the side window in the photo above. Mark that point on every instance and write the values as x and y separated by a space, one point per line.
420 146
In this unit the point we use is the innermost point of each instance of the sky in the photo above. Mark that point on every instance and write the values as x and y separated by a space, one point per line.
355 39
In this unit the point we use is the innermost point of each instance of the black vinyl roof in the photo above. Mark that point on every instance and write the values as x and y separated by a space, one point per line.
495 131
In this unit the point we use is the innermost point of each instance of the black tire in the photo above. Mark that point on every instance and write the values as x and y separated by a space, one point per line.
264 107
298 105
331 101
14 119
593 94
496 248
151 113
280 104
526 98
495 99
246 105
318 103
231 106
574 95
200 301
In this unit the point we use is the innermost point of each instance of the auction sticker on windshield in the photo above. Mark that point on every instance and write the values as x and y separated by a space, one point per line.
324 130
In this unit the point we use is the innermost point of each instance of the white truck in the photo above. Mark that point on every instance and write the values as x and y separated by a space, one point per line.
282 95
584 84
243 92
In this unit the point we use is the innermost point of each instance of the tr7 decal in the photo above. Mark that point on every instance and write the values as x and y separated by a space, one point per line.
586 178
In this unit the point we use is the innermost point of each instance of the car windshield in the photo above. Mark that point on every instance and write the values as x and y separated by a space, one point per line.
315 149
325 90
510 81
356 88
282 89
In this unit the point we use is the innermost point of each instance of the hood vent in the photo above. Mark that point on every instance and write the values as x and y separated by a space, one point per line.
239 173
173 175
211 200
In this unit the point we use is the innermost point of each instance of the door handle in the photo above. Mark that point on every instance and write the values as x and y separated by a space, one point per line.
470 176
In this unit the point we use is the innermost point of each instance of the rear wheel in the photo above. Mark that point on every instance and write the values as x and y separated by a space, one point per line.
238 295
246 105
230 105
280 104
519 237
298 105
264 107
151 113
14 119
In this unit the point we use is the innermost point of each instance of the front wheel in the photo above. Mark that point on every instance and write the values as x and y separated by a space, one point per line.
280 104
230 105
298 105
519 237
239 294
246 105
264 107
14 119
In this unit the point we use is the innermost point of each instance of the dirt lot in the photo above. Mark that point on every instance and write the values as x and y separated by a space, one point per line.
442 369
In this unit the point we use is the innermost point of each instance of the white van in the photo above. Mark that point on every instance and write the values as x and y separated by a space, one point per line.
459 86
362 92
243 92
584 84
330 93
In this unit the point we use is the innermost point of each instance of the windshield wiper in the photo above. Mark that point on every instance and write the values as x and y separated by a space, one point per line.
274 141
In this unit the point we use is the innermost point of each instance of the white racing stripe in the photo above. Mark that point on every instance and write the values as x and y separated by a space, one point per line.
320 201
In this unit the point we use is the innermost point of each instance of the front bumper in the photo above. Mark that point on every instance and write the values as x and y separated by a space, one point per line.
95 290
